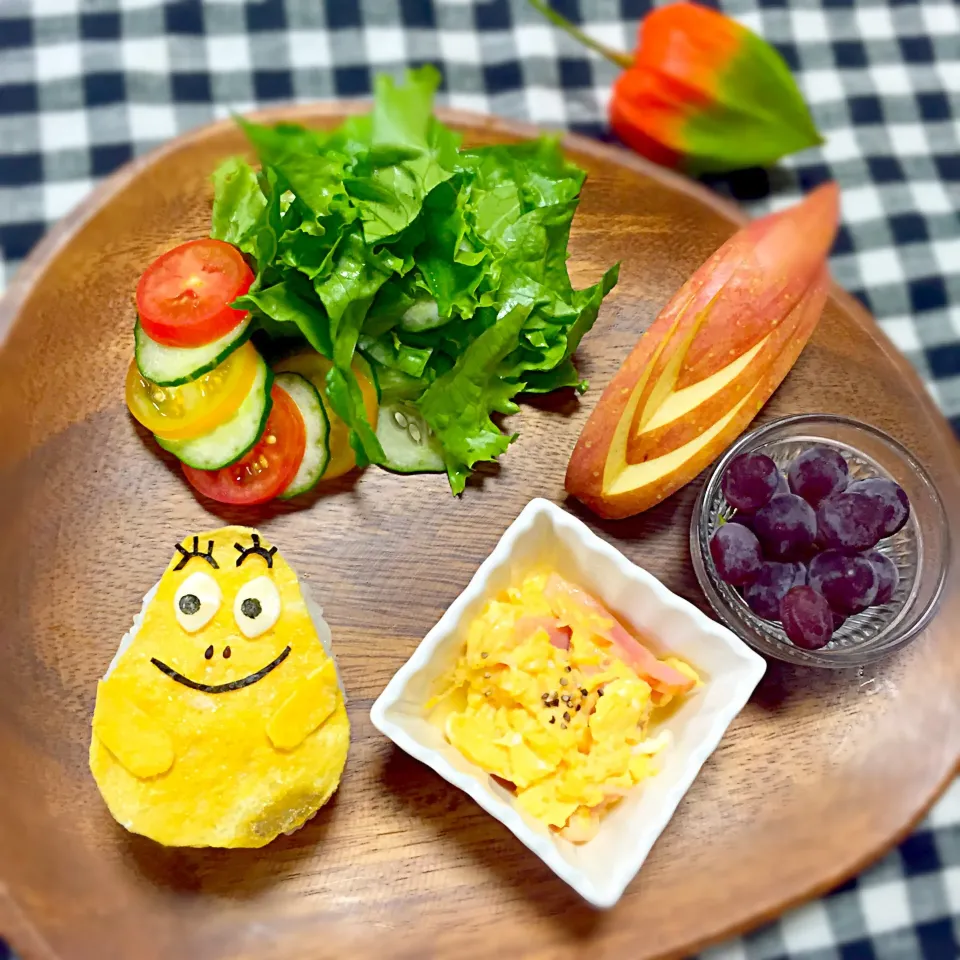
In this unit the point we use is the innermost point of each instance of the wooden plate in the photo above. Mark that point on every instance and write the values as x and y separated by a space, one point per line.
817 777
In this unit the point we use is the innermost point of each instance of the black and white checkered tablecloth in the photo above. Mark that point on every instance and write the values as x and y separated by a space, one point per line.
87 84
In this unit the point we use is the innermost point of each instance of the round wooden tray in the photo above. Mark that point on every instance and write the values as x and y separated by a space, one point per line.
819 775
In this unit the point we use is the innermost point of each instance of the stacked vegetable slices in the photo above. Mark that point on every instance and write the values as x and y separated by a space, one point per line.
244 433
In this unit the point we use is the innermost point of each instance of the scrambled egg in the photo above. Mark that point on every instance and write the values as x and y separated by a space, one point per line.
553 697
222 724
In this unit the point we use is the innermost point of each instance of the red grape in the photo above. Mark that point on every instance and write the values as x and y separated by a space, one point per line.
786 526
750 481
887 573
817 473
891 500
736 553
848 583
807 619
849 521
764 593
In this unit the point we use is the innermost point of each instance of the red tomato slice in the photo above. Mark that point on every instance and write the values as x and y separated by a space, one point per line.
268 468
184 296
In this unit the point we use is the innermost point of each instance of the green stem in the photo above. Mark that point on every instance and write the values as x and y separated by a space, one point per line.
614 56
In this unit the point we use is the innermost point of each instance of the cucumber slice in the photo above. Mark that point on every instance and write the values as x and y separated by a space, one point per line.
410 445
316 455
227 443
423 315
171 366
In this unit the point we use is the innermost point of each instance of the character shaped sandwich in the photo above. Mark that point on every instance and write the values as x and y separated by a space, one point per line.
221 721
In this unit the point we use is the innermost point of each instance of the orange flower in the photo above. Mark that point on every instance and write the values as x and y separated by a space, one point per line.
702 92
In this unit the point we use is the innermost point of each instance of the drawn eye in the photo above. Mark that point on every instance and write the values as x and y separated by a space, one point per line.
256 607
196 601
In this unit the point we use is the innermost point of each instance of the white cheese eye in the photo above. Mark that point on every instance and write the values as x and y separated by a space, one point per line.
257 607
196 601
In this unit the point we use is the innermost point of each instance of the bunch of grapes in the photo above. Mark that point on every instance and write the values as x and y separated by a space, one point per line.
802 547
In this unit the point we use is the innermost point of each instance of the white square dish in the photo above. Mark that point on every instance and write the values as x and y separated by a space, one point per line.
545 534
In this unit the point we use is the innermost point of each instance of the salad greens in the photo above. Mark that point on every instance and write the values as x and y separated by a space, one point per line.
445 267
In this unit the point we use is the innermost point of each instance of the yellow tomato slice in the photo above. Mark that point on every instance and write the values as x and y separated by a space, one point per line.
195 408
314 367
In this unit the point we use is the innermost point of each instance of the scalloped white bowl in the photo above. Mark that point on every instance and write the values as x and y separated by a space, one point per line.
545 534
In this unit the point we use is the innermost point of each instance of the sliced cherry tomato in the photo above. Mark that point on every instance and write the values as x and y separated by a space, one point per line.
268 468
184 296
195 408
314 367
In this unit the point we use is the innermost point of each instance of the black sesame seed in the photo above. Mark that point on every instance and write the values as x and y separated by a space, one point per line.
208 653
600 692
189 603
569 669
544 697
553 719
483 656
566 716
584 692
578 708
563 681
226 653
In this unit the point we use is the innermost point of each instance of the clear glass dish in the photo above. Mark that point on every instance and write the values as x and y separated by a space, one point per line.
921 549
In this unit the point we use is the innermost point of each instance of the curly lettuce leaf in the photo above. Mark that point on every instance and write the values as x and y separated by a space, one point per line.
446 267
457 406
293 154
451 268
237 203
536 171
411 152
390 351
283 305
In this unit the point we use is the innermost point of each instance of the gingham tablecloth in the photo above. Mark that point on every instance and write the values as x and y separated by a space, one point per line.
87 84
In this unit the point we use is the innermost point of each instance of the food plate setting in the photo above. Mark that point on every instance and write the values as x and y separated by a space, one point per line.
514 531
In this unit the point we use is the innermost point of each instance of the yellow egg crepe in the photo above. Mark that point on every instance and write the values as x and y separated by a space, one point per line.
221 721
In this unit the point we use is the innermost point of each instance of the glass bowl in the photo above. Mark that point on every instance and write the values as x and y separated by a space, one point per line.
921 549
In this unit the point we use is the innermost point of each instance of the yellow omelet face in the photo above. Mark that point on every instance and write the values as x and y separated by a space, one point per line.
222 723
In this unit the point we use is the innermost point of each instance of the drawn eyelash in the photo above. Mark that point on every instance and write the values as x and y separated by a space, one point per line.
257 548
187 555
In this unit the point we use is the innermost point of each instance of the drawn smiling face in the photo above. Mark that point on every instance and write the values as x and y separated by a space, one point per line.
224 679
199 612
